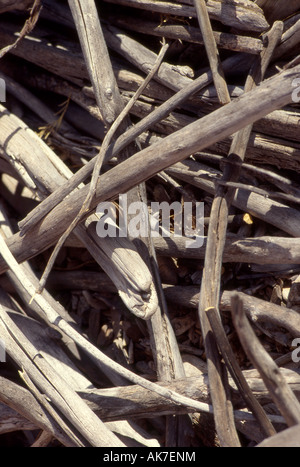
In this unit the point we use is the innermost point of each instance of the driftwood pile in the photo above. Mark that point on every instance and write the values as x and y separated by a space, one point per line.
142 341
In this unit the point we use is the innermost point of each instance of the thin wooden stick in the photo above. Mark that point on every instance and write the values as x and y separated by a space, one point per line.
258 250
212 52
35 408
257 205
8 5
191 34
281 393
260 191
96 57
237 374
210 287
27 28
97 168
242 15
257 310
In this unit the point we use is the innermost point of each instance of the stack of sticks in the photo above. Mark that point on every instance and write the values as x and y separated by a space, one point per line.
106 340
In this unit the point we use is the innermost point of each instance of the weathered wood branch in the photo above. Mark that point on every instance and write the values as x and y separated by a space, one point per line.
191 34
243 15
143 165
257 310
281 393
8 5
278 9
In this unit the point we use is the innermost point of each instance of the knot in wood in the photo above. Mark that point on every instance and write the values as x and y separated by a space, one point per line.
109 93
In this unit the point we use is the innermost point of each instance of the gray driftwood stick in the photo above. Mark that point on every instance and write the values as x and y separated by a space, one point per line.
259 206
272 94
236 373
13 421
243 15
278 9
27 411
289 42
63 431
211 279
99 67
212 52
125 402
260 250
257 310
281 393
168 362
289 438
66 400
186 33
